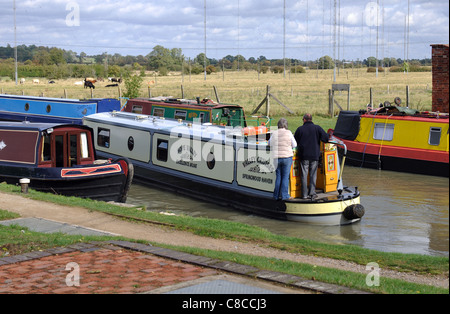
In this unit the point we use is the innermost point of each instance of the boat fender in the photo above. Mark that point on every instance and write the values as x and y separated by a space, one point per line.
355 211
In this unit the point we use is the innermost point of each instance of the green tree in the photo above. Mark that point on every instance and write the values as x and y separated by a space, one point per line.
132 85
326 62
57 56
160 57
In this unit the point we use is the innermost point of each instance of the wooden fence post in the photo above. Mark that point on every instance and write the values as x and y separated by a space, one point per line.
371 97
330 103
217 94
407 96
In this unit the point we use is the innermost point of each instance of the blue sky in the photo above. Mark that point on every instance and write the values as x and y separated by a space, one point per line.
247 27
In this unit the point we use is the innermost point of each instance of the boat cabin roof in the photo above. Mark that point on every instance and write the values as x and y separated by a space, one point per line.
205 103
10 125
206 131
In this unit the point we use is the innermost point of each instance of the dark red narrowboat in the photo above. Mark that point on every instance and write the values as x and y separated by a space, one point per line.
61 159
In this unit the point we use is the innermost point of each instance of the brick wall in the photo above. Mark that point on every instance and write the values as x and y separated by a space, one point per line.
440 55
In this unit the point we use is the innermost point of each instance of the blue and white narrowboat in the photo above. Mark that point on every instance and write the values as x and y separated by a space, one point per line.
222 165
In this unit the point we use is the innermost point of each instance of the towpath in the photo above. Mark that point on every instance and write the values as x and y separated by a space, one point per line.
159 234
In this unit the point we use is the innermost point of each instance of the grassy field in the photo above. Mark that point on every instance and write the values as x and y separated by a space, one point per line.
306 92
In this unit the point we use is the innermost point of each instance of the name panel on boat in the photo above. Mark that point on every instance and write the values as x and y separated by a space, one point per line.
256 168
18 146
207 159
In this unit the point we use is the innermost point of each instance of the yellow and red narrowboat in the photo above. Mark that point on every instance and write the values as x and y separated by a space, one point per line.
396 138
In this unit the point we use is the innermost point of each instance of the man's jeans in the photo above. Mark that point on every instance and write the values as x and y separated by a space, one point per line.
282 181
311 167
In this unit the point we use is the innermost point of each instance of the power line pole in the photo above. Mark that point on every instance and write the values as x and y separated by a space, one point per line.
334 43
15 41
205 40
284 38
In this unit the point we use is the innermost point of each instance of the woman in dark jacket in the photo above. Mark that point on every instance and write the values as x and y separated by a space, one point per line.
308 139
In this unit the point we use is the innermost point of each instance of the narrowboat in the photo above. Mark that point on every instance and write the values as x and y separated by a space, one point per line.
52 110
221 164
206 110
61 159
396 138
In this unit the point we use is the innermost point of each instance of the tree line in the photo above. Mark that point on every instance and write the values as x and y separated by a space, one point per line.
56 63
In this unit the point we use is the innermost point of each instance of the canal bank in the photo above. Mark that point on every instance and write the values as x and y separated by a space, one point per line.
405 213
159 234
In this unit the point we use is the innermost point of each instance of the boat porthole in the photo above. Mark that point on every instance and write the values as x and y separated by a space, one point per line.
130 143
49 108
211 161
27 106
84 112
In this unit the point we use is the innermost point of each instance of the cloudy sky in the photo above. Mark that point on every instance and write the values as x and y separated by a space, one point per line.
251 28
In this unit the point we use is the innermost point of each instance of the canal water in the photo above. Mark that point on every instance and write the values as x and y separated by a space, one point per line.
405 213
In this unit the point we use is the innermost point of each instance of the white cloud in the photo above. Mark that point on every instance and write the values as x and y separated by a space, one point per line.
135 27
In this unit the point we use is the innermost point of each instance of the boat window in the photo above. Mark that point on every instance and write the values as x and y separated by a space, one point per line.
137 109
59 150
202 117
383 132
73 142
84 145
211 161
158 112
162 150
130 143
435 136
47 148
180 114
103 137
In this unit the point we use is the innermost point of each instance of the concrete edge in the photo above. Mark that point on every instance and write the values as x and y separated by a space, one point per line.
243 270
226 266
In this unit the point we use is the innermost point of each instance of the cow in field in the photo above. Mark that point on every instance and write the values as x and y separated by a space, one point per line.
22 81
35 81
88 84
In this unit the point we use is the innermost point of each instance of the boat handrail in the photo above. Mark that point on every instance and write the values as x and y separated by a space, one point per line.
335 141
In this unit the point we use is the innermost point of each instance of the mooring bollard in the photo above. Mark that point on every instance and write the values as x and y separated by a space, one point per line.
24 185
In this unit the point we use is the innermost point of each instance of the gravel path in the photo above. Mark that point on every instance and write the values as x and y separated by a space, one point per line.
95 220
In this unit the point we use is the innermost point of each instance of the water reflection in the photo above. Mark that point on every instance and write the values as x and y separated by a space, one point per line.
404 213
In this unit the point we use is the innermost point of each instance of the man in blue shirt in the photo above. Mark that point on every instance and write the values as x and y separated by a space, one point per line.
308 139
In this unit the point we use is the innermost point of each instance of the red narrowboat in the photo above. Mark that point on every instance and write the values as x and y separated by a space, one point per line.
61 159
